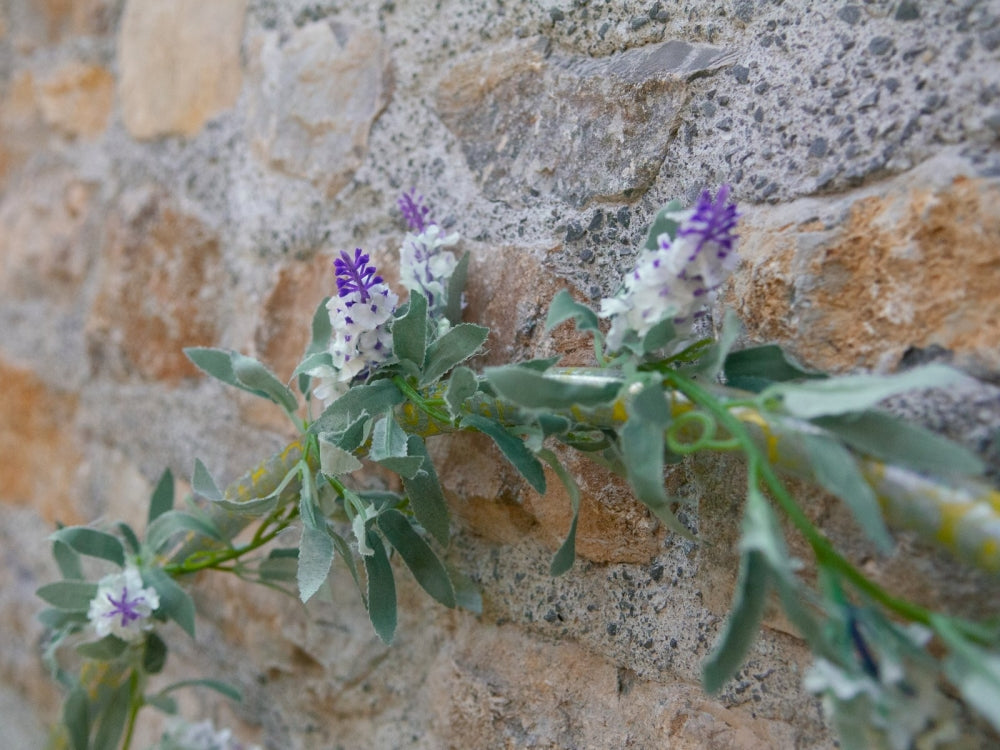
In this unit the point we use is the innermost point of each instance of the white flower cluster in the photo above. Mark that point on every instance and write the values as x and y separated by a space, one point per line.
181 735
426 267
122 607
675 280
360 315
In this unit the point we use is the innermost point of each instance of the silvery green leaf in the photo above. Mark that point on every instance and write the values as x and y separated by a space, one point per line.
566 555
710 364
535 390
409 333
740 630
388 448
512 447
461 385
855 393
663 223
757 367
92 543
68 560
836 471
453 348
974 670
563 307
315 559
373 398
335 461
162 530
426 497
223 688
76 718
258 379
344 550
418 556
162 499
154 653
221 363
658 336
70 596
642 446
319 341
312 361
309 510
456 290
381 589
893 441
202 482
280 565
467 594
175 602
107 648
130 537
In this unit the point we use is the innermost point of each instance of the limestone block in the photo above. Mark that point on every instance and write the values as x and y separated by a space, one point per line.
313 99
179 63
856 281
577 128
162 289
77 99
39 459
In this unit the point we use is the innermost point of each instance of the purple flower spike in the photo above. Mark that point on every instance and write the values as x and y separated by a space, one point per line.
414 211
355 274
713 221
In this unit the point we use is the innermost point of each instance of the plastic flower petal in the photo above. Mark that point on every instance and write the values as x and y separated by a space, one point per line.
182 735
122 607
425 266
417 215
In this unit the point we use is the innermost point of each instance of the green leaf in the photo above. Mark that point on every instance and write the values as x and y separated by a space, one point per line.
537 390
740 630
409 333
658 336
256 508
454 347
55 619
215 362
975 671
855 393
334 461
566 555
663 223
426 497
162 499
757 367
131 540
462 385
418 556
893 441
175 602
563 307
322 329
223 688
512 447
76 718
710 364
70 596
68 560
374 398
388 448
836 471
315 559
154 654
642 447
467 594
280 565
258 379
311 362
456 288
92 543
381 589
203 484
113 718
162 530
107 648
344 550
309 510
163 703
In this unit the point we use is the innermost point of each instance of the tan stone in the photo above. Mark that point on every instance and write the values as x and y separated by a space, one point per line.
43 247
39 459
50 21
314 98
179 63
77 99
20 124
162 289
911 263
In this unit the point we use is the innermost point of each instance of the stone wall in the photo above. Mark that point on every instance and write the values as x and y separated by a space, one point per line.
178 173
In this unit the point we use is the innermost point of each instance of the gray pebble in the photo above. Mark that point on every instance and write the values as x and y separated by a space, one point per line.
818 148
907 11
880 45
741 73
849 14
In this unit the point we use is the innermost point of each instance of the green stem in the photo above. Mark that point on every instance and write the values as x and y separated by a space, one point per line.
419 401
133 711
214 561
823 549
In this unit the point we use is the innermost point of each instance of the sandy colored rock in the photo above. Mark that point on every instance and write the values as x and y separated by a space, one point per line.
856 282
39 457
577 127
179 64
313 99
77 99
162 289
20 120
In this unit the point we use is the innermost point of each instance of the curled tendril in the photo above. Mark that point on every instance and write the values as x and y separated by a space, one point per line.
680 442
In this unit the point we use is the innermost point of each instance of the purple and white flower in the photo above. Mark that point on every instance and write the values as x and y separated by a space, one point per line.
677 279
424 265
361 315
122 606
182 735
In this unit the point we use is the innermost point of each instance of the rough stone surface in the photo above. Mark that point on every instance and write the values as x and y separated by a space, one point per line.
315 96
532 122
180 64
77 99
162 289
